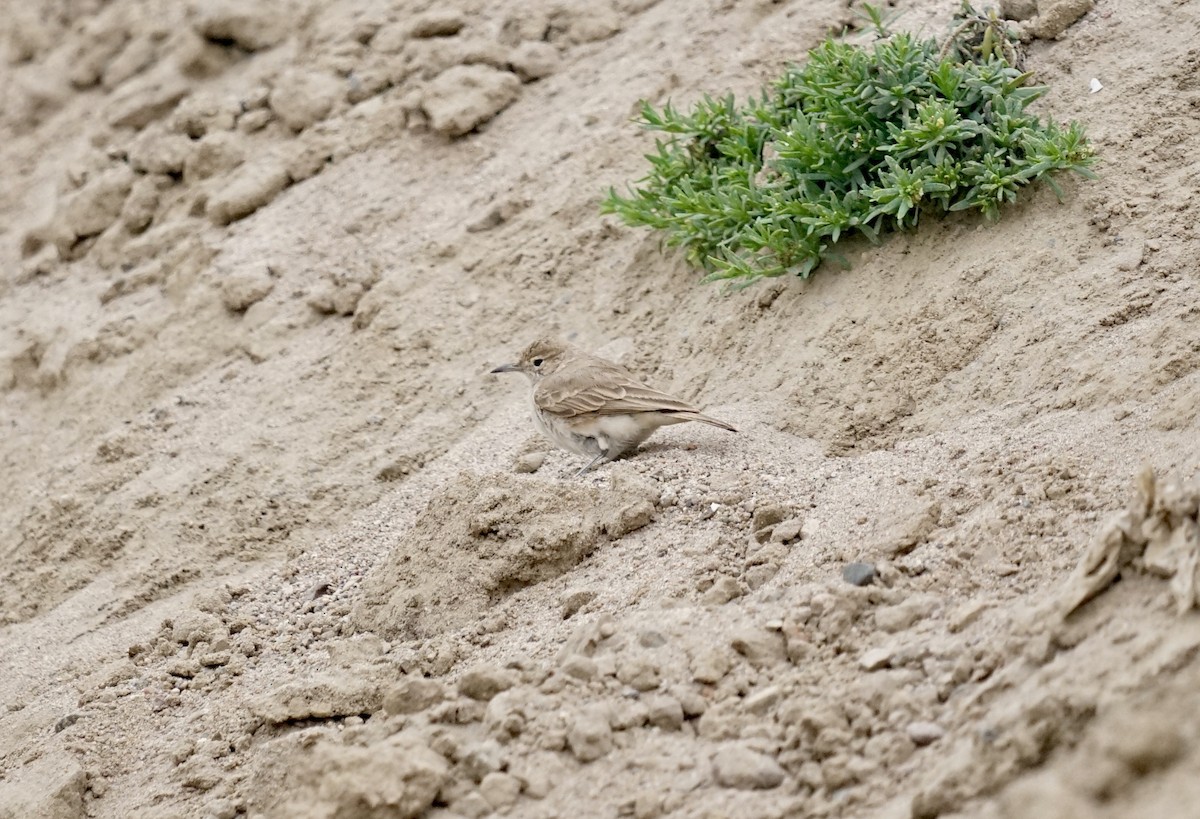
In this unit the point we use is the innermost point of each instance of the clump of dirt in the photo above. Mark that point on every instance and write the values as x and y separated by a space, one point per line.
481 539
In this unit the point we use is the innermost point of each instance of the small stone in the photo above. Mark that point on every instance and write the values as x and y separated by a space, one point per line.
876 659
760 646
484 682
252 187
787 531
481 759
897 618
529 462
709 665
580 667
472 806
858 574
693 702
726 588
574 600
638 672
246 287
590 736
500 790
533 60
462 98
924 733
966 615
741 768
222 809
761 701
665 712
303 98
413 694
252 26
441 23
767 516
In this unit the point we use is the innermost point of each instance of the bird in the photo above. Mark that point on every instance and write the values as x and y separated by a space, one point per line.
595 407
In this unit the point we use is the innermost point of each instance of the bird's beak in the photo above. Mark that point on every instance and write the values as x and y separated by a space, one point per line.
506 368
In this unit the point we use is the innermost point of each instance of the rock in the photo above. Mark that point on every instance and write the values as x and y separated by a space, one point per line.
1018 9
255 185
441 23
397 778
215 154
924 733
245 287
858 574
486 681
760 646
50 787
768 515
967 614
481 759
725 588
252 26
630 518
737 766
787 531
142 204
875 659
580 667
709 665
638 671
97 205
500 790
664 712
529 462
154 150
590 735
574 600
205 113
462 98
192 626
413 694
302 98
1057 16
762 701
319 697
141 105
533 60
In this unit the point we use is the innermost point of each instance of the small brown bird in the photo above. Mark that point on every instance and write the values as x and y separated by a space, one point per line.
594 407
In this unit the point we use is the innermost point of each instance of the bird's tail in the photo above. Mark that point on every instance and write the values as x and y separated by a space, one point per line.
699 416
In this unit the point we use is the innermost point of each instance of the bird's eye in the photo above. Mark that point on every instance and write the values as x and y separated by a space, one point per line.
537 362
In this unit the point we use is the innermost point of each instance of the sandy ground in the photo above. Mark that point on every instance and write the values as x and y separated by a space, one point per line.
266 548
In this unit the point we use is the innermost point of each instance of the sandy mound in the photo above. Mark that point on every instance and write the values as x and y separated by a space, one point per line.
483 538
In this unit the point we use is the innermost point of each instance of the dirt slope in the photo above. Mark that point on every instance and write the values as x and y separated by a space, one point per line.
266 548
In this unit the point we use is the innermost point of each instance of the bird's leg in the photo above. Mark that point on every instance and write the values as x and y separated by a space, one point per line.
603 452
590 464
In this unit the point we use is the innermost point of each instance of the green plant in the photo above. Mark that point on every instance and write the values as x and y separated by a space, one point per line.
857 140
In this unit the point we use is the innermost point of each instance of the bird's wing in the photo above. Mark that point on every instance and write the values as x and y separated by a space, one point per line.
601 389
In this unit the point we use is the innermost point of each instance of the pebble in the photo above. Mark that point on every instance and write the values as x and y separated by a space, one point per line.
875 659
500 790
787 531
412 695
759 646
590 736
638 671
665 712
486 681
858 574
924 733
529 462
743 769
580 667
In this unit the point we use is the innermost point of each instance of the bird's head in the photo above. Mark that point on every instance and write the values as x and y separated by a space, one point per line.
539 359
